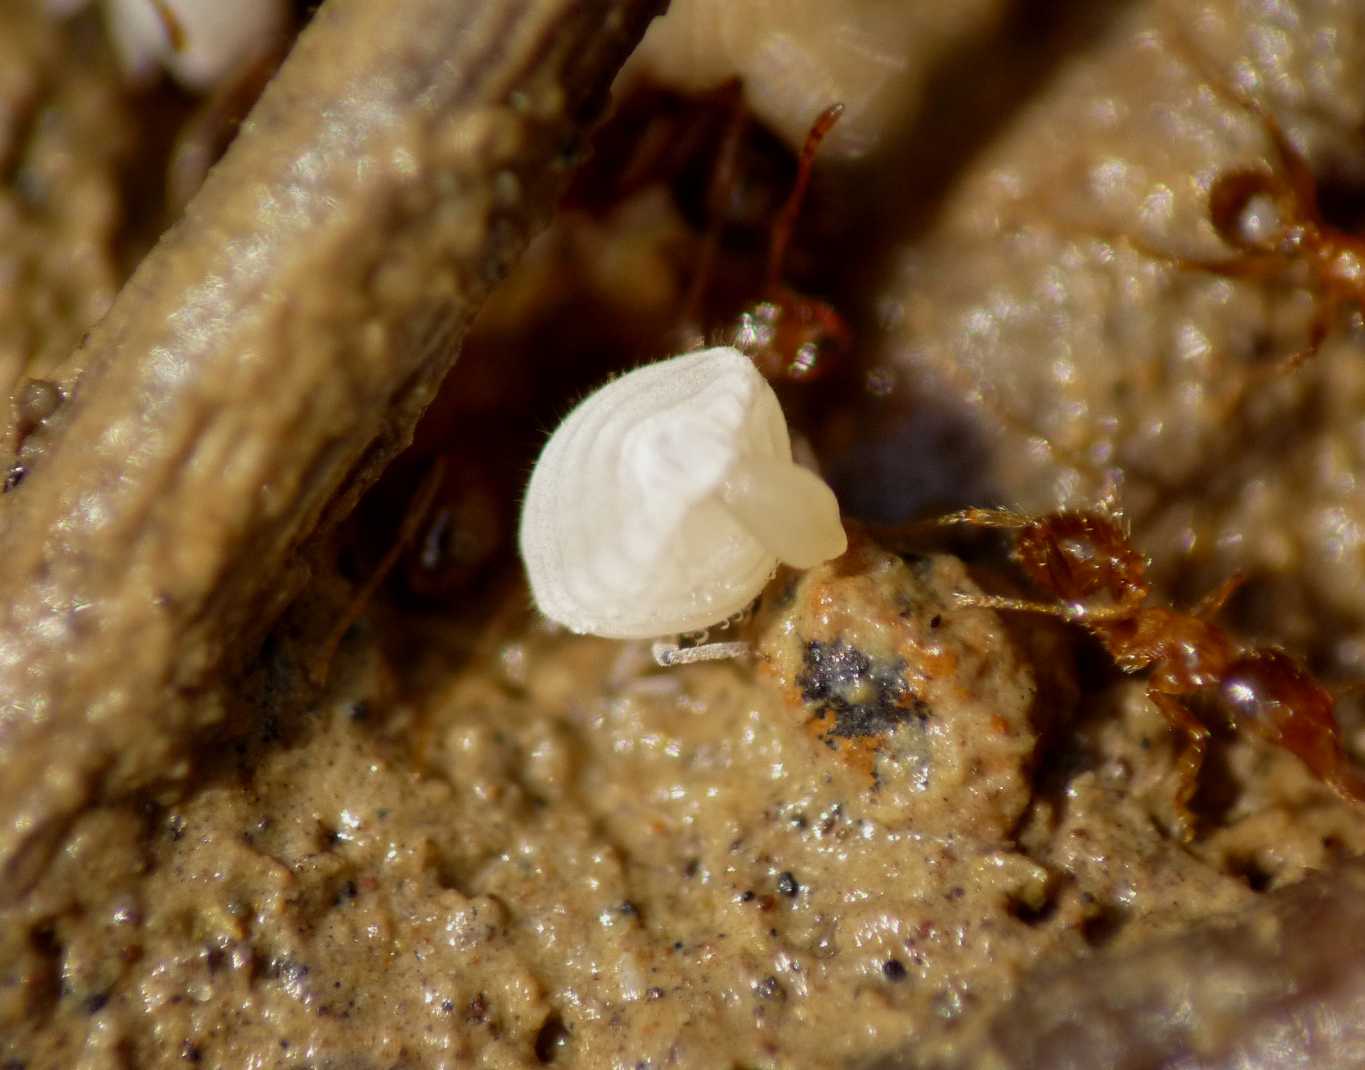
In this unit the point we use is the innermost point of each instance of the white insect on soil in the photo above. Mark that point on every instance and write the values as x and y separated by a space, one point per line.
665 500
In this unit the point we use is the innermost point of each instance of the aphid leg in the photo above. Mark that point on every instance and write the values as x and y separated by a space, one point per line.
1212 603
1191 758
669 654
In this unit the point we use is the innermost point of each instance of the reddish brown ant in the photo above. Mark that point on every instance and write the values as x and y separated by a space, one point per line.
698 146
1300 235
1087 561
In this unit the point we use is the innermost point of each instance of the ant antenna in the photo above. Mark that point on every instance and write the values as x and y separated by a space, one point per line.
786 218
170 23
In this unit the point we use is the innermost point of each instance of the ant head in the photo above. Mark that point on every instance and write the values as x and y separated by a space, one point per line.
1081 557
787 334
792 337
1235 196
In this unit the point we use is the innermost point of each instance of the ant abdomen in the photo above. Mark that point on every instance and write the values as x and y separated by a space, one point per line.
1271 694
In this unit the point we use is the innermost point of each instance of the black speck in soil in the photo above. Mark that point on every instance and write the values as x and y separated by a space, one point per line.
787 884
868 697
893 970
553 1036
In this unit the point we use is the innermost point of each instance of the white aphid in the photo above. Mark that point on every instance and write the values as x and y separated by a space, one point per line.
219 35
666 499
796 56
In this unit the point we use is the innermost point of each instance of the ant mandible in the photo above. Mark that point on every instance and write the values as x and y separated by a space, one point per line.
1334 257
1086 560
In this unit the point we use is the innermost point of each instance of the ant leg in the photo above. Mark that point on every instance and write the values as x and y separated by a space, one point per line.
1260 375
1246 266
1212 603
1191 758
1317 334
171 25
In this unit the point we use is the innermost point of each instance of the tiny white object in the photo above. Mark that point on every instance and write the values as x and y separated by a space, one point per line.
219 35
666 499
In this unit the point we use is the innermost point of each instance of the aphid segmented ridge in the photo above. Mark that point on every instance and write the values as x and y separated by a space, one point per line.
664 502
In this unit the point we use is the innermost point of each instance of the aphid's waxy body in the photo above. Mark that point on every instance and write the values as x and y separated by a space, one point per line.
666 499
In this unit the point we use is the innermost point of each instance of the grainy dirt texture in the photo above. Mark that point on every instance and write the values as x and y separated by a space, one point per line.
1280 985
